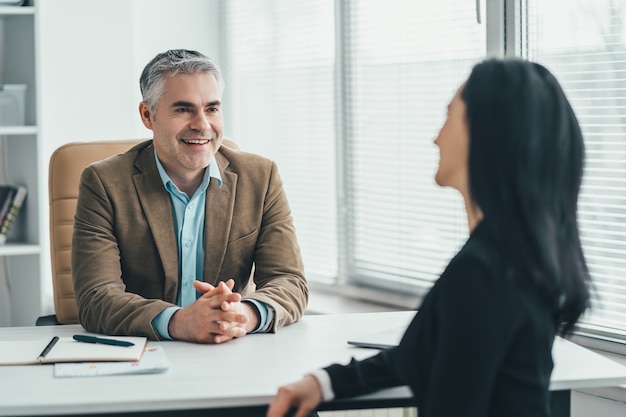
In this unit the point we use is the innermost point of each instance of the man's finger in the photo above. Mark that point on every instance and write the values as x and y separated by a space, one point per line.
209 290
203 287
224 288
233 318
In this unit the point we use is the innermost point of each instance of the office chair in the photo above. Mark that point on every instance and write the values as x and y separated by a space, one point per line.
66 165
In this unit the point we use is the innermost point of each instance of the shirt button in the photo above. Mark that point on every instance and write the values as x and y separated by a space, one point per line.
187 284
188 243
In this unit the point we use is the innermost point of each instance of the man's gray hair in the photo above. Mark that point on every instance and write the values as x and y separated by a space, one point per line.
172 62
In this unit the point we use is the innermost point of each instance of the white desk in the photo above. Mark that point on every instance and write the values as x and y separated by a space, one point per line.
244 374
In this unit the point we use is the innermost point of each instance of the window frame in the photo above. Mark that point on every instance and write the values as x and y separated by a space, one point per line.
506 21
594 336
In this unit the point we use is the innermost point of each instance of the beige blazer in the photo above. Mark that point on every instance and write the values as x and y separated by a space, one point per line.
124 253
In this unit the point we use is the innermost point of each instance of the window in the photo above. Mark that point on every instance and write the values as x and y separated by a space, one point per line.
348 95
280 89
583 42
404 61
352 127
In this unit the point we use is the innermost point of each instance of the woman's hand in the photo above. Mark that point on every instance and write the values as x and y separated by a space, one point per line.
305 395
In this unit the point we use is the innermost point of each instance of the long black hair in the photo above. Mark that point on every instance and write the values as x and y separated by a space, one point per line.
526 157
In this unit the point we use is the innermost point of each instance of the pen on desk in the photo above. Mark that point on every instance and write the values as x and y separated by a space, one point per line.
94 339
48 348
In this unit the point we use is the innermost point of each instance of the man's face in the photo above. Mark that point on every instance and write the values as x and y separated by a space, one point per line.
187 123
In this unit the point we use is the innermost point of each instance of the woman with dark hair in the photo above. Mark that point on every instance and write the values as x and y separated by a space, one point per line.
481 343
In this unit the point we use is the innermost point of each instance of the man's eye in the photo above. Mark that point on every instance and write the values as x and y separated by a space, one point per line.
213 109
183 109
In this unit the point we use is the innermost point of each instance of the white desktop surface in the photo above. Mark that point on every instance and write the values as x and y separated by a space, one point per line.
242 372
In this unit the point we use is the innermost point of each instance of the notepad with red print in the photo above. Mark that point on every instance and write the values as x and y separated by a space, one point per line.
152 361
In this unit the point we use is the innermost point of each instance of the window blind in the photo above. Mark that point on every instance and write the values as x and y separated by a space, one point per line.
583 43
280 103
403 62
348 95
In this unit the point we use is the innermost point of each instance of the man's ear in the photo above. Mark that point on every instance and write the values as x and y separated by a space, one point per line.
146 114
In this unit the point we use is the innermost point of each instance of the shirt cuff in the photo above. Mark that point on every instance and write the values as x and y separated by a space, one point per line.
327 387
162 320
266 315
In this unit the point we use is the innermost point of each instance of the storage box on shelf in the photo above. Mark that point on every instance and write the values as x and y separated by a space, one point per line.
12 98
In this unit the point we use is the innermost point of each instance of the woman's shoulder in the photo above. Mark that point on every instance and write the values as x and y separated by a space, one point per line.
478 255
478 272
480 275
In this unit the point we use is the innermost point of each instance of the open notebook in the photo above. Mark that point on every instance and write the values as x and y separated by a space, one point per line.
380 340
66 349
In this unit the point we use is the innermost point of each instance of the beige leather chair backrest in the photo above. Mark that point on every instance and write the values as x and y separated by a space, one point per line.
66 165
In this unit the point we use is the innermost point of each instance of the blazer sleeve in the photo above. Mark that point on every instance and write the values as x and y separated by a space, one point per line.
455 344
104 305
362 377
278 266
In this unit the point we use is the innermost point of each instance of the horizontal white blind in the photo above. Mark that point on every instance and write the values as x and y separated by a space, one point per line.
583 42
404 61
280 92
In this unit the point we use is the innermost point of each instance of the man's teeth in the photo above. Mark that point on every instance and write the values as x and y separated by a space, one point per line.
195 141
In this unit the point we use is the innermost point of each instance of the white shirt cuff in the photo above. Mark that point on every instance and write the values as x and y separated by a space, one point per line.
324 380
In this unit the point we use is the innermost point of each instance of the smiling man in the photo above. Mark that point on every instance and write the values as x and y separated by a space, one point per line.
184 237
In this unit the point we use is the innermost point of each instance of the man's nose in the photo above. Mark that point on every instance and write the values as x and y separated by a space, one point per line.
200 122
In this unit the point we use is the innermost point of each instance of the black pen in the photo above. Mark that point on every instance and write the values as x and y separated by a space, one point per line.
94 339
48 348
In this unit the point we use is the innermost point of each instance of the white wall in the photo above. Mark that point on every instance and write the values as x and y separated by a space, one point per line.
90 57
91 54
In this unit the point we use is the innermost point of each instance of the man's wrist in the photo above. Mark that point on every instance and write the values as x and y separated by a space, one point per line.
254 316
265 315
161 323
171 328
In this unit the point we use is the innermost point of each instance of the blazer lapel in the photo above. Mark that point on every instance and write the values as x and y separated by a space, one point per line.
155 202
220 203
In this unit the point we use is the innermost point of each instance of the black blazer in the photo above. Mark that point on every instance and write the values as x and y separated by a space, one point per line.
481 345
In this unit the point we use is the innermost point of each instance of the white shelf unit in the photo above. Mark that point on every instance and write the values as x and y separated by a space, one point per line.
22 164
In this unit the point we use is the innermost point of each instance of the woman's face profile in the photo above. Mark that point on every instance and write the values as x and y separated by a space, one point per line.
453 143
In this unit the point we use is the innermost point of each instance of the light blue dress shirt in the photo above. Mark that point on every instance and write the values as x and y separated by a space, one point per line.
189 216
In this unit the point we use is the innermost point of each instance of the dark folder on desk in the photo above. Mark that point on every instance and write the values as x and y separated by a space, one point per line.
380 340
